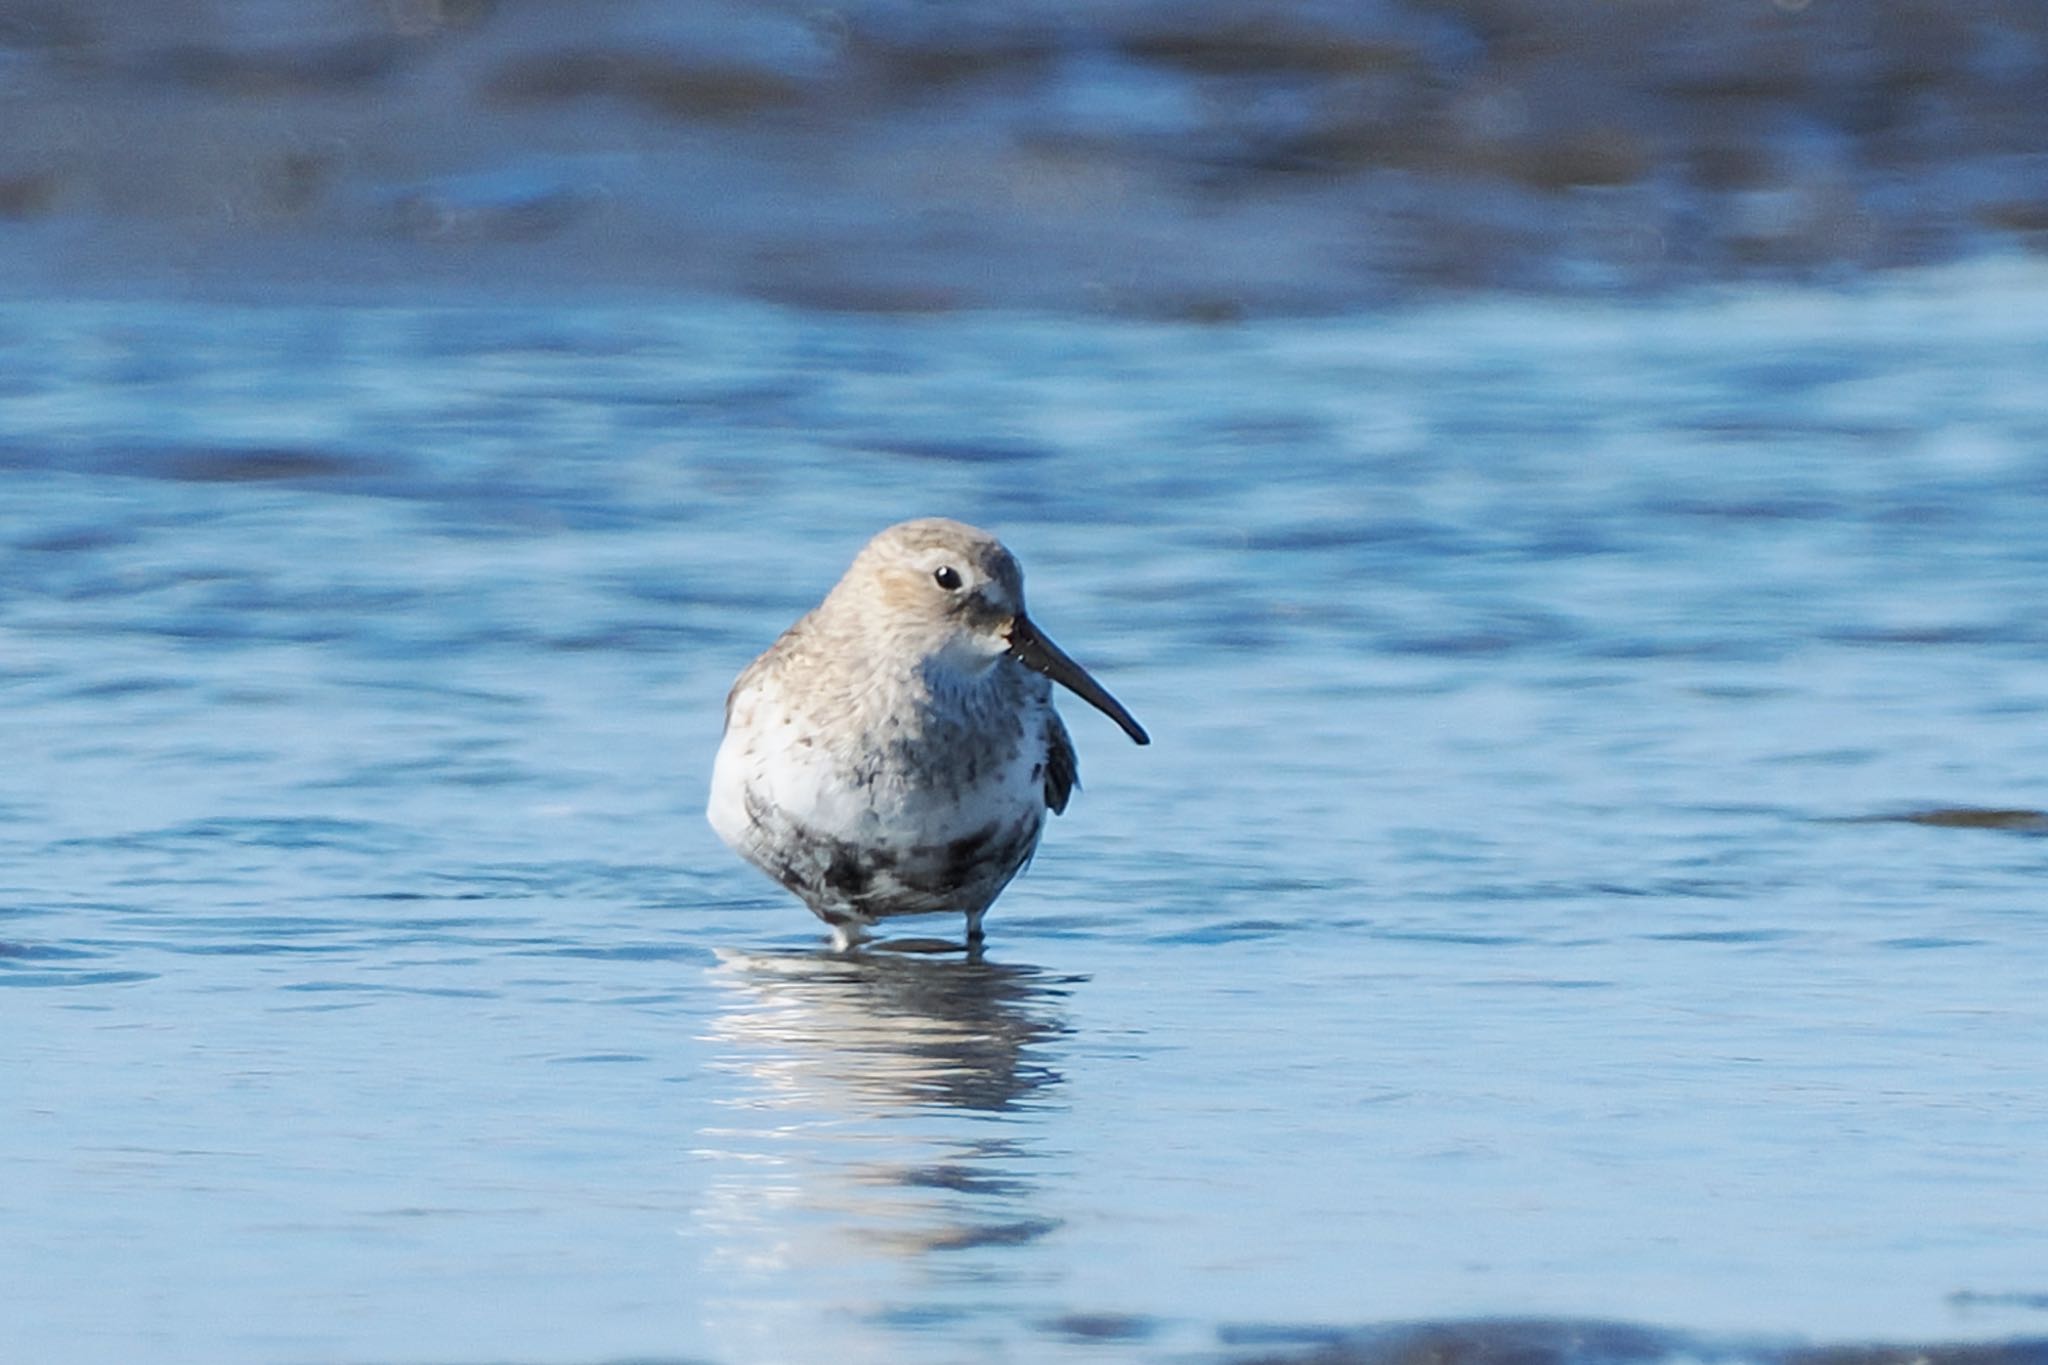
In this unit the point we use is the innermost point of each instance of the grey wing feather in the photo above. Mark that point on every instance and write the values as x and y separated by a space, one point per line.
1062 769
766 661
739 685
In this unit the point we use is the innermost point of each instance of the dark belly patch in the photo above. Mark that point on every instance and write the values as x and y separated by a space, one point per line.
838 877
851 871
964 855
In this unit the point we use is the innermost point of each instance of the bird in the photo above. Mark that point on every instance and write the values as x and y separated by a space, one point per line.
896 750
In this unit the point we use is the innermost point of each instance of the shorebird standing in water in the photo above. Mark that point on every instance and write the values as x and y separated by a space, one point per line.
895 752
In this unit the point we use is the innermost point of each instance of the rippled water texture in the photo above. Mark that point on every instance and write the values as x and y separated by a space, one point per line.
1588 866
1157 158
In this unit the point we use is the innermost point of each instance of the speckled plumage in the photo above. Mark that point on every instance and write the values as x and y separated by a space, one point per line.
896 750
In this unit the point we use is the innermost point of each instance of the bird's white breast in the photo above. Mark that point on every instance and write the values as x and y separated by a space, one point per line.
887 780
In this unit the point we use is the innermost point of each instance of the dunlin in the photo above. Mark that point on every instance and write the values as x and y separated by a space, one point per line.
895 752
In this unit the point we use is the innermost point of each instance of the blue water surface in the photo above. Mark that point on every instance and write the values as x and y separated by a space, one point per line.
1586 868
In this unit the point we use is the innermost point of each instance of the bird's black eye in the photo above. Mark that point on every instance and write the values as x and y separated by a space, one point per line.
947 577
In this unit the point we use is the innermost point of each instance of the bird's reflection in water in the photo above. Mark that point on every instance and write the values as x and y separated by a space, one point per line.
891 1103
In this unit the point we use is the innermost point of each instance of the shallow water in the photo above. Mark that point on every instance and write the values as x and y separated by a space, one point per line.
1545 894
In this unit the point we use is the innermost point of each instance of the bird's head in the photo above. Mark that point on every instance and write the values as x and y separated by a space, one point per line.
953 593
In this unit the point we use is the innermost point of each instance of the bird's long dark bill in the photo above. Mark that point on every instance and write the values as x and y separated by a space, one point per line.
1041 655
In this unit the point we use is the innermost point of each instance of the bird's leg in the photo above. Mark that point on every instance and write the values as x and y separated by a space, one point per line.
974 936
848 933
